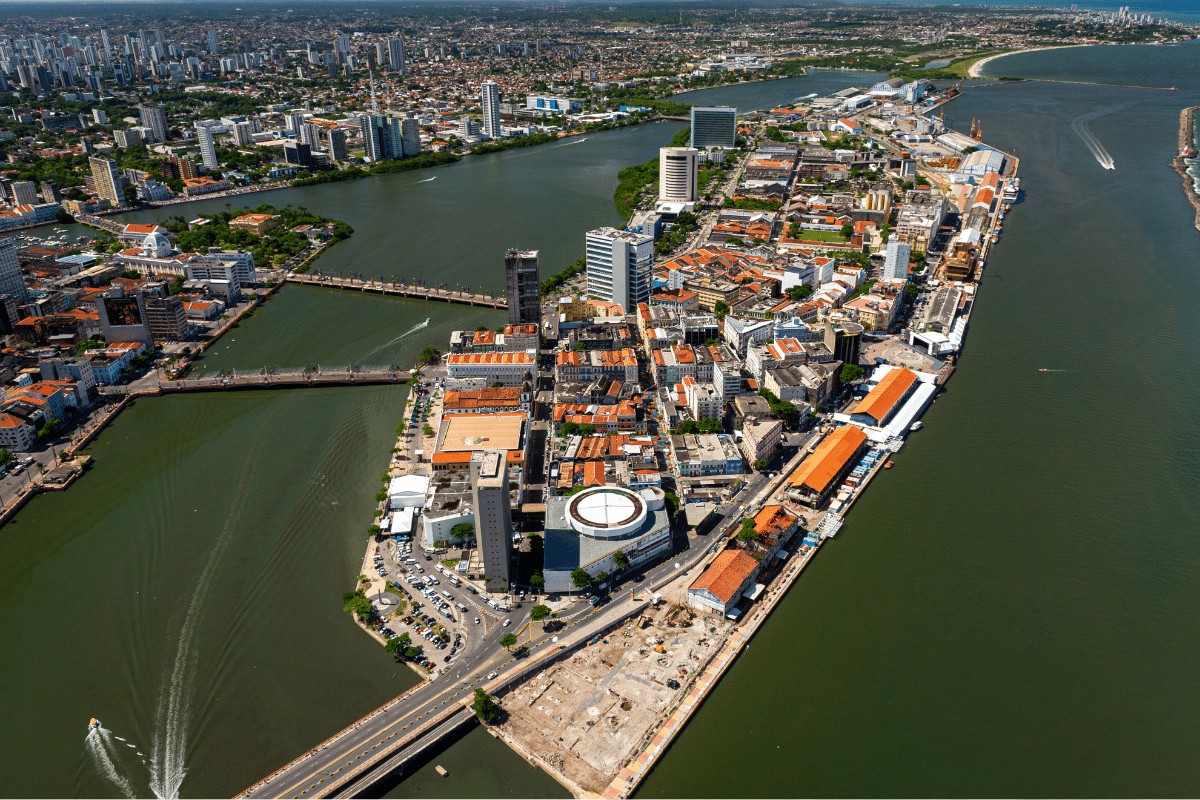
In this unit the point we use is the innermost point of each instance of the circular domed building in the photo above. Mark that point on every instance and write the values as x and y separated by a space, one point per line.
588 529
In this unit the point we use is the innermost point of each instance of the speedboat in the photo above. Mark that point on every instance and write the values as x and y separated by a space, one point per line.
94 725
916 426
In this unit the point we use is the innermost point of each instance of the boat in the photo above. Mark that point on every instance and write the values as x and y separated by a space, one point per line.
888 465
1042 369
916 426
94 724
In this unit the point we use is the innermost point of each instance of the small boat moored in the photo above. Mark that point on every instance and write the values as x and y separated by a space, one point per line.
916 426
888 465
94 724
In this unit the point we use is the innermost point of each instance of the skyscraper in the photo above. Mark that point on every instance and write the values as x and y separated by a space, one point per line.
895 265
410 136
489 101
713 126
336 137
24 193
521 278
618 266
395 48
382 137
11 281
208 150
678 171
493 516
213 47
108 181
155 118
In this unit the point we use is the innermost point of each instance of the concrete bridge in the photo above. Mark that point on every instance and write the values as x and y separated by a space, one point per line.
288 379
360 284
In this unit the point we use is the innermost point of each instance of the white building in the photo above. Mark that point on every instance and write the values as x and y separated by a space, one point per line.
678 174
895 265
12 282
488 368
489 102
208 150
619 266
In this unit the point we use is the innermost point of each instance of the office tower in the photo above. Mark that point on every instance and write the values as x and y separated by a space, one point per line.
489 100
521 278
618 266
678 173
493 516
50 192
11 281
299 154
410 136
180 168
713 126
336 139
24 193
395 48
467 127
99 116
294 122
208 150
155 118
106 49
310 135
212 42
895 265
108 181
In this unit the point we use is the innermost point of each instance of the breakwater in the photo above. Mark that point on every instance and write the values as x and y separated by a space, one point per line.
1186 150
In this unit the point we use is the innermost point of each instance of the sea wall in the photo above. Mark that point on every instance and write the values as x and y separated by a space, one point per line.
1187 149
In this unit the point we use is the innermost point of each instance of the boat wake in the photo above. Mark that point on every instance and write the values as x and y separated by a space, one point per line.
104 755
427 180
169 754
413 329
580 140
1080 125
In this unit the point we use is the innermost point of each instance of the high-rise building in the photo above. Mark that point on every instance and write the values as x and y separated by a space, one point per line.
180 168
678 173
208 150
493 516
108 181
310 135
298 153
410 136
242 134
713 126
895 265
213 47
619 266
395 48
50 192
489 101
11 280
382 137
166 318
24 193
521 278
336 139
155 118
99 116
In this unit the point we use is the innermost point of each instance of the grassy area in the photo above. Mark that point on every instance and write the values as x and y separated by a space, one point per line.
834 237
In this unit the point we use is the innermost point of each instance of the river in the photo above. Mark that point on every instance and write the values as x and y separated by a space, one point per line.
1012 610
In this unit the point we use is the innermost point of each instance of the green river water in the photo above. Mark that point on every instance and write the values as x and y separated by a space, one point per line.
1010 611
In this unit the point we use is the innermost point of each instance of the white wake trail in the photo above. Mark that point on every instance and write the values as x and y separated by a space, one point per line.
100 746
413 329
427 180
1080 125
169 754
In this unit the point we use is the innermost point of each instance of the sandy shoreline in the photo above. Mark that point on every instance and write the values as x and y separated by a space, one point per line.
973 70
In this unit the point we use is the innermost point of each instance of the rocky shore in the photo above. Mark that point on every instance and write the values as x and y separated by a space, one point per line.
1187 149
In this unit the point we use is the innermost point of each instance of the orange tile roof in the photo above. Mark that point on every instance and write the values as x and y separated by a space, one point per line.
9 421
773 520
138 227
491 358
726 574
819 469
593 473
886 394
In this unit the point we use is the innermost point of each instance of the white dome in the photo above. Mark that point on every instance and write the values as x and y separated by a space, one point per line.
606 512
156 246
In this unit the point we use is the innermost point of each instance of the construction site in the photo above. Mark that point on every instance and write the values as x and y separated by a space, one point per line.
590 714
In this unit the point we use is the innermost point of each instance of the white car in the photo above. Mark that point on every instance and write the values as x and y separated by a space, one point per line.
506 623
491 675
477 620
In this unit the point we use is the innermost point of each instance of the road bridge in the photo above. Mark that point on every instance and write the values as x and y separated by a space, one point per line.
419 291
288 379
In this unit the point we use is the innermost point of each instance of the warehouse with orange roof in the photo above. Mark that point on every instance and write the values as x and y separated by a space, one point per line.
882 403
815 479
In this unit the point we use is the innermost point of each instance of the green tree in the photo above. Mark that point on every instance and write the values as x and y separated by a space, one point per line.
602 577
748 533
485 707
850 373
397 646
798 293
427 429
581 578
356 603
462 530
429 355
587 429
620 559
720 308
847 230
508 641
912 290
537 581
761 464
539 613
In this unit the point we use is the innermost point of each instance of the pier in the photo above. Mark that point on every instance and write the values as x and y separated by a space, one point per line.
400 289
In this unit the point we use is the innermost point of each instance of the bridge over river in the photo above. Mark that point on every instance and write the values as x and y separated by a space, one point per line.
463 296
288 379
